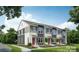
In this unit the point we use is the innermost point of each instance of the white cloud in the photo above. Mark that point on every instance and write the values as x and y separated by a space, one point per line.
69 25
13 23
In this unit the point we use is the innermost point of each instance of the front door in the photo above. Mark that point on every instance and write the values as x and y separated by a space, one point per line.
33 41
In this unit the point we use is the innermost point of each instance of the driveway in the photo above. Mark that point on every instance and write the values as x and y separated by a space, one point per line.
4 48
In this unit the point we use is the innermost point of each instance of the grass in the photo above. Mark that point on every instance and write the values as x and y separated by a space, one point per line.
26 46
66 48
56 49
14 49
77 47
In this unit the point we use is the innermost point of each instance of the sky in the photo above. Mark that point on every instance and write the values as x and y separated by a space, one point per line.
54 15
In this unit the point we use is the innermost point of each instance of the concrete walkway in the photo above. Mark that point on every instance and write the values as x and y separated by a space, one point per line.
23 48
4 48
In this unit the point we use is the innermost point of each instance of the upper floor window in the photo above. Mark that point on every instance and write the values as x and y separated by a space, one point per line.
33 28
63 32
54 31
23 30
47 30
40 29
50 30
59 31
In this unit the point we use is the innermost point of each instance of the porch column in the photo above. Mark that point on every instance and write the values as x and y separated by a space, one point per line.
49 41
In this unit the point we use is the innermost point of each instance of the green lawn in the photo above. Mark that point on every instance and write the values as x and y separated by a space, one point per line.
30 47
14 49
56 49
67 48
77 47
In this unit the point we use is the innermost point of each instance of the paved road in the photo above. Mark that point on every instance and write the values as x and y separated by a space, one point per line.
4 48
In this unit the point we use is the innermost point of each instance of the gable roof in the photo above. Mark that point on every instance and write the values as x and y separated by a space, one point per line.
30 22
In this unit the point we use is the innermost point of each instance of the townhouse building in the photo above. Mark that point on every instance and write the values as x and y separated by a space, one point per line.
39 34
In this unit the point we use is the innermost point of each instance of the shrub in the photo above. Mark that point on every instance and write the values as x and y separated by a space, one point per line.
46 40
29 44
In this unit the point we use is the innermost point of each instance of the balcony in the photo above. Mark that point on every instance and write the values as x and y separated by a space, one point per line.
33 30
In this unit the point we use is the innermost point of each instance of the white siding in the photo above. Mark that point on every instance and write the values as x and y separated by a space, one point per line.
23 25
27 38
26 34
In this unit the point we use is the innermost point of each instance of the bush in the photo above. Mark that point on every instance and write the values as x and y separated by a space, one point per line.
46 40
29 44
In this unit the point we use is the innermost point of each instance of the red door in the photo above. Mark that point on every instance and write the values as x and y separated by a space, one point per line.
33 41
48 41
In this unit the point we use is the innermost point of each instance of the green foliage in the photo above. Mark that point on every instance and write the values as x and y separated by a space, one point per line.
2 38
46 39
56 49
10 37
29 44
73 36
74 14
1 28
77 47
77 27
14 49
10 11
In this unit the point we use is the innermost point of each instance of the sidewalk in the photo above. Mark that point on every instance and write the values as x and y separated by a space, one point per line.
23 48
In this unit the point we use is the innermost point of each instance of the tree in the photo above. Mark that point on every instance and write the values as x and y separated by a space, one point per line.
72 36
11 36
74 16
1 27
1 32
10 11
11 30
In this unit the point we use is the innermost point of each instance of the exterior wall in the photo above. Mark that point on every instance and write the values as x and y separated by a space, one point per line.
27 38
25 26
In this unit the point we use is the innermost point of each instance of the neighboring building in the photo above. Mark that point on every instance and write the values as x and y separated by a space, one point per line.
36 33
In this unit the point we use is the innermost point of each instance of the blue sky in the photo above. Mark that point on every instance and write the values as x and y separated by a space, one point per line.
55 15
49 14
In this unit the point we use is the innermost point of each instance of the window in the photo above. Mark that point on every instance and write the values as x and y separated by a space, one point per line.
47 30
59 31
41 40
63 36
23 30
54 36
52 40
41 31
50 30
33 29
63 33
38 31
54 31
40 35
20 32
